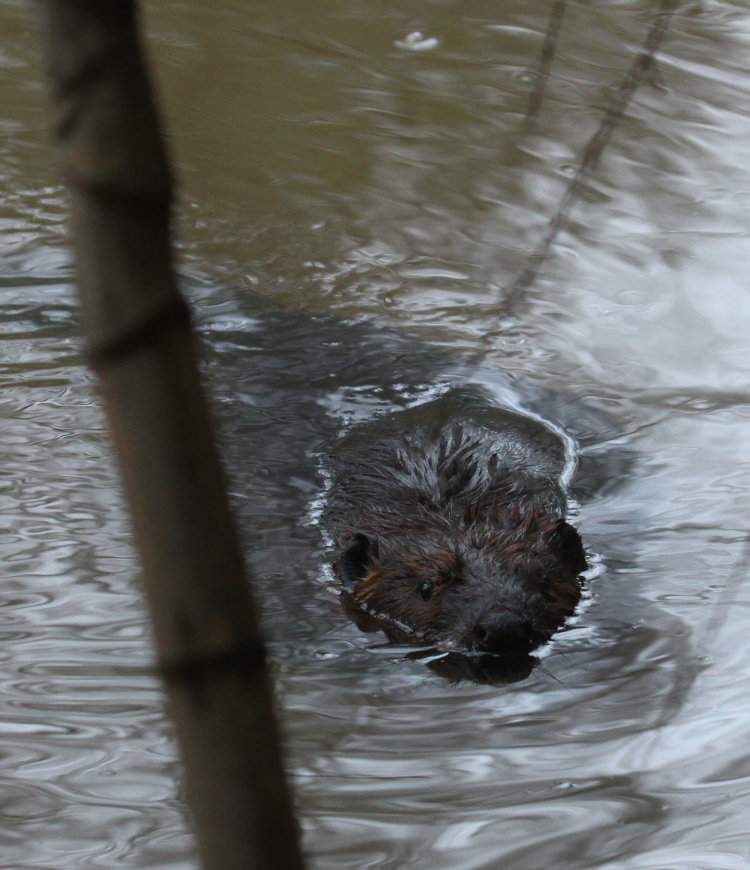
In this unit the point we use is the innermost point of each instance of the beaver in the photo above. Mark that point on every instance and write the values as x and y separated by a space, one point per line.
449 525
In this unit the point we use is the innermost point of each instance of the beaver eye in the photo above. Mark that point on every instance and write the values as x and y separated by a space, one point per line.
425 590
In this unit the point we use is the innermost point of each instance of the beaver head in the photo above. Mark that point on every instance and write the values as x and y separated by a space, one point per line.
489 589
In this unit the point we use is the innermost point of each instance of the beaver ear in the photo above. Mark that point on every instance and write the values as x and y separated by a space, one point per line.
567 540
358 553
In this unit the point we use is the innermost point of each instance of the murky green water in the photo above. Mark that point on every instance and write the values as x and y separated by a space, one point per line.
358 190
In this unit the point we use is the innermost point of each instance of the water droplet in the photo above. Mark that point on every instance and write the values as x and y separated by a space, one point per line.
418 41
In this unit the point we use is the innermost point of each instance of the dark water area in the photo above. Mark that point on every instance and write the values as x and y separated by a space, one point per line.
358 190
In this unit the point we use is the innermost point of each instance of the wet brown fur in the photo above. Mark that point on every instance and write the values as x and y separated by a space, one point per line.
454 534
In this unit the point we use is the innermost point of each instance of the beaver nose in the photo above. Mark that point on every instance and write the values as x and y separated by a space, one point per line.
502 632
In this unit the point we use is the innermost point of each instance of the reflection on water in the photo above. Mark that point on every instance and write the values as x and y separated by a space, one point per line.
355 177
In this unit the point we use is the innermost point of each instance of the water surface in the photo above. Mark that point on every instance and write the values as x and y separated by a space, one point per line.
359 188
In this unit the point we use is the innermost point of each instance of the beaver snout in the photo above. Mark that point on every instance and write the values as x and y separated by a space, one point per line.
502 632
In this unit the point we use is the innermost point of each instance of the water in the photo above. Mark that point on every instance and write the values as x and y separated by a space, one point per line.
358 188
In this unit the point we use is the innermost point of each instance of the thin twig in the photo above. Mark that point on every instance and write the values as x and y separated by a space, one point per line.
642 63
726 599
547 54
